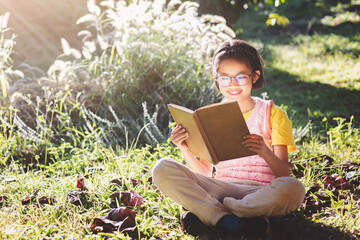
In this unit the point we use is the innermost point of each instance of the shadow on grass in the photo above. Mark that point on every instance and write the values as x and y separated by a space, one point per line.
310 100
294 227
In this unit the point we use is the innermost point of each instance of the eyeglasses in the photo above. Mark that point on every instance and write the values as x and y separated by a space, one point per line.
241 79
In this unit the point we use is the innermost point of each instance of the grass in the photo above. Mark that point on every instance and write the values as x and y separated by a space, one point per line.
99 166
158 218
314 77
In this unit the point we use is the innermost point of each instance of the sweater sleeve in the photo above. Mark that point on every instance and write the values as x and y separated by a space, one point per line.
281 130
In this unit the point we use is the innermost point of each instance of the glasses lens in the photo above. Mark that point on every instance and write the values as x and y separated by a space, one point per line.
224 81
242 79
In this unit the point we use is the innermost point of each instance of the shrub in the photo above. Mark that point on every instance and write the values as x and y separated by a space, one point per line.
141 56
6 68
136 57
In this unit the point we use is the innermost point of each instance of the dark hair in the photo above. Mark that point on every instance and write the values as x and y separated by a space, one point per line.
243 52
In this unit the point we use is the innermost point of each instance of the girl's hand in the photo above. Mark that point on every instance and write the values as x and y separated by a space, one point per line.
256 144
178 137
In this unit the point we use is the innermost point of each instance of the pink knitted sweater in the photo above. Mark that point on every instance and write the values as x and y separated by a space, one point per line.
254 167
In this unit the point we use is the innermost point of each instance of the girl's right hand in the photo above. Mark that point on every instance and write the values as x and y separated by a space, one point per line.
178 137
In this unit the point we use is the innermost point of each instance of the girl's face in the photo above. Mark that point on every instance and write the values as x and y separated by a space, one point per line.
232 68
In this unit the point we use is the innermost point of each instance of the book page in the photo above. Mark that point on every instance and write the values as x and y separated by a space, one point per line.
195 142
225 128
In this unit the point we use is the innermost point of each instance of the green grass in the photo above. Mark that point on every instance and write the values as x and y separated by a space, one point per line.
314 77
159 216
99 166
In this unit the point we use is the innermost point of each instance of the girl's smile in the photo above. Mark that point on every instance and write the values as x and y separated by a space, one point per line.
234 93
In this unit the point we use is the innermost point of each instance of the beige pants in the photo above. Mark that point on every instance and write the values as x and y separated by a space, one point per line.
210 199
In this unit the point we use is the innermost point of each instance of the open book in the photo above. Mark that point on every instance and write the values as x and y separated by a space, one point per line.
215 131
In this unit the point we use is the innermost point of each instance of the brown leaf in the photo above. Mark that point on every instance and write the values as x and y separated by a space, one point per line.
335 181
314 188
119 181
150 180
118 219
315 200
130 199
324 159
45 200
298 169
77 197
145 169
3 199
28 199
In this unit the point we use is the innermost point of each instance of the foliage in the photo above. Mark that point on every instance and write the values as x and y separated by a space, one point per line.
6 68
138 57
340 18
277 20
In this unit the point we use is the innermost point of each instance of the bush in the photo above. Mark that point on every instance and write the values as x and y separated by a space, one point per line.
135 58
144 55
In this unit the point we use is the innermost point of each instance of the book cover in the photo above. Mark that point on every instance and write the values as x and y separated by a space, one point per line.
215 131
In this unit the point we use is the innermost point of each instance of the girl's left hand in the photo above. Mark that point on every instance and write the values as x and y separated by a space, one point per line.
256 144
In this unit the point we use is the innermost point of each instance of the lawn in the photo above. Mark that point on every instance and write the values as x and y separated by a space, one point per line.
313 74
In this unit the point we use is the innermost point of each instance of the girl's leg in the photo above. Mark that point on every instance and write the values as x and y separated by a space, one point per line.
199 194
282 196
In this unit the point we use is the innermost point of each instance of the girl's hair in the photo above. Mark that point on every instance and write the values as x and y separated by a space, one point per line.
243 52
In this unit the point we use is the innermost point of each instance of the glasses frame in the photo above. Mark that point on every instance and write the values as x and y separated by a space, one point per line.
218 76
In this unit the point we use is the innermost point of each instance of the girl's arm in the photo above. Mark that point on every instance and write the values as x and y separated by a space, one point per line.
178 137
277 160
202 166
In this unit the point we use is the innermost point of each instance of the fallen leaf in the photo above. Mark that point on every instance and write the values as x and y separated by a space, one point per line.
45 200
3 199
77 197
130 199
81 184
314 188
298 169
324 160
30 198
335 181
118 219
120 181
150 180
145 169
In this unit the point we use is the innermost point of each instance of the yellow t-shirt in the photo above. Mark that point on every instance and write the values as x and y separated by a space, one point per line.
281 131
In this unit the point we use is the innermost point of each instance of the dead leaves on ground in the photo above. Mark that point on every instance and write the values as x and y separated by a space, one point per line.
31 199
78 197
131 199
3 200
120 219
331 186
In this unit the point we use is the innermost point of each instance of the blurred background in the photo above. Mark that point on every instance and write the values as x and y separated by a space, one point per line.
39 25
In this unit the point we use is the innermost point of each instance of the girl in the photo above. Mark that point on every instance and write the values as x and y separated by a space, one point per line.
244 191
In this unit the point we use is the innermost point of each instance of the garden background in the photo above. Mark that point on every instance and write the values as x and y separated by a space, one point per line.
84 88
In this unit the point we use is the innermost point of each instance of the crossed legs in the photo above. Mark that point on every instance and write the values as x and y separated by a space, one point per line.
210 199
